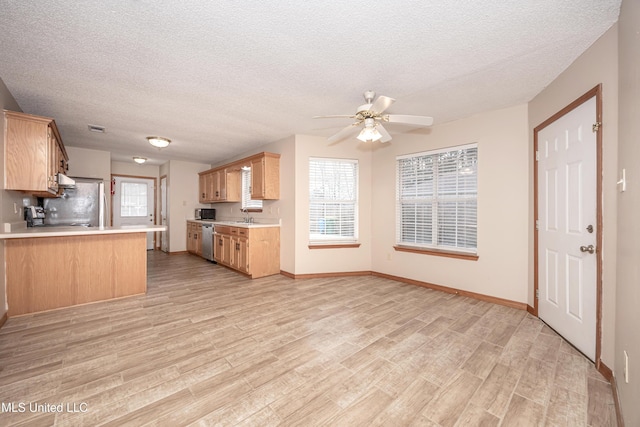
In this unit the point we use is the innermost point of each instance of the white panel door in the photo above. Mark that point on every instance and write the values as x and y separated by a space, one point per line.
567 214
134 203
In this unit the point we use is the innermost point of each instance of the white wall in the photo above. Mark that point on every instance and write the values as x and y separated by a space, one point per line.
182 185
134 169
627 314
309 261
7 198
598 64
87 163
503 171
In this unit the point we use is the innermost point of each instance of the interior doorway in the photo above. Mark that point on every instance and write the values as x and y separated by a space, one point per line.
134 203
568 221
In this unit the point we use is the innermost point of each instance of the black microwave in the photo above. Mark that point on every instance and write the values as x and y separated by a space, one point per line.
206 213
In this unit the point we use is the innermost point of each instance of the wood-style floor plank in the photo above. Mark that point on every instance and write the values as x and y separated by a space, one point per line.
206 346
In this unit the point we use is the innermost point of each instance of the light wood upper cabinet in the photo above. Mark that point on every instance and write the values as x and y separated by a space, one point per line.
219 185
265 177
224 184
34 154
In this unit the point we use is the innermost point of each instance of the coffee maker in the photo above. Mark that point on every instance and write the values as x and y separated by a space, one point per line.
34 216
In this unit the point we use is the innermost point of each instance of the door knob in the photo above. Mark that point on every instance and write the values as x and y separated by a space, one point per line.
591 249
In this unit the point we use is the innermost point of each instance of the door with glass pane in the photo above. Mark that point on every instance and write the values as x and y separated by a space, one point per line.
134 203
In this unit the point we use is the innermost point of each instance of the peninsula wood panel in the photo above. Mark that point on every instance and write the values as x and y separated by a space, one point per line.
53 272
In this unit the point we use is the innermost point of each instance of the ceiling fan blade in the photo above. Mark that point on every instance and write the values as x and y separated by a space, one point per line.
385 135
340 116
381 104
409 120
352 128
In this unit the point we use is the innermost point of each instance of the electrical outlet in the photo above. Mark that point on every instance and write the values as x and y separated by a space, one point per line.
626 367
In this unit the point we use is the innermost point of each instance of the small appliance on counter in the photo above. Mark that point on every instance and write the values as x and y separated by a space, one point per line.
34 216
205 214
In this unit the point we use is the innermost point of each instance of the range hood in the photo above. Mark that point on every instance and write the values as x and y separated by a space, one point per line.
65 182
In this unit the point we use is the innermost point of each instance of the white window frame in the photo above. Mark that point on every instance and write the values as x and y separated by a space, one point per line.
320 195
465 199
247 201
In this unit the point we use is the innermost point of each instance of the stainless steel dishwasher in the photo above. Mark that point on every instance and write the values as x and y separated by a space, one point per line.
207 241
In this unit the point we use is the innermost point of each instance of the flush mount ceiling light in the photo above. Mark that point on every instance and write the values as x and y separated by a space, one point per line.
369 133
139 160
158 141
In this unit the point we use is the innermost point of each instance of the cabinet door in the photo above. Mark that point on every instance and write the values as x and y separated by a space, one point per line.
242 255
52 161
198 239
214 186
233 186
26 146
226 249
257 178
202 184
218 250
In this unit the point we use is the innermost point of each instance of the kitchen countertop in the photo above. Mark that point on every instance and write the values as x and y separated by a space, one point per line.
64 231
237 223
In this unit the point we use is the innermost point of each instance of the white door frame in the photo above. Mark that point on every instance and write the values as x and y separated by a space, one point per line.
597 93
164 243
155 199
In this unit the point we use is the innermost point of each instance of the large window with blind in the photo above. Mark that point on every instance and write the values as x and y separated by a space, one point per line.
333 200
437 199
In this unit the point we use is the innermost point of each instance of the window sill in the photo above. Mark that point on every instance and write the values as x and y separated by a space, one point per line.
436 252
333 245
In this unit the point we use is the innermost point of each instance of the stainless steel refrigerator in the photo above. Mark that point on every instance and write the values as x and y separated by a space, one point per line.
83 205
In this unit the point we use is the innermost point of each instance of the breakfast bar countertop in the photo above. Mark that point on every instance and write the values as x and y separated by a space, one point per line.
65 231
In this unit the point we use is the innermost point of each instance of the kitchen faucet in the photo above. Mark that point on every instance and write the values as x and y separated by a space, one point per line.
247 219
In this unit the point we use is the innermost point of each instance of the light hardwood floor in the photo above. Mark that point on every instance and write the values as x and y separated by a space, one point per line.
207 346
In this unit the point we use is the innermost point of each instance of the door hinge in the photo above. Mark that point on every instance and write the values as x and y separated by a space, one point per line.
537 224
537 156
537 293
596 126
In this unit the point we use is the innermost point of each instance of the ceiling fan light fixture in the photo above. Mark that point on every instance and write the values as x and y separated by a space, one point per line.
139 160
369 133
158 141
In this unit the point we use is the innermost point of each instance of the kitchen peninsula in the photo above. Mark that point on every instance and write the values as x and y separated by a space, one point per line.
54 267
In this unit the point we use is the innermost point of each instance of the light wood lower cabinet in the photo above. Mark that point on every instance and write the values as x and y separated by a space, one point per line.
45 273
194 237
252 251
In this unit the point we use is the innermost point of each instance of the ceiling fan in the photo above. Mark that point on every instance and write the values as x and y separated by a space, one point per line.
370 115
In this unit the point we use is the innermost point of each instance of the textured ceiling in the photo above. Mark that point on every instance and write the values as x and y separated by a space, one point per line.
220 78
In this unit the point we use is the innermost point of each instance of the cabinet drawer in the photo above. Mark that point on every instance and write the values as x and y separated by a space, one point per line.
222 229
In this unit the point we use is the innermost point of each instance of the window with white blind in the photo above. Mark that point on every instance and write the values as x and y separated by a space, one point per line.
333 200
437 198
247 202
